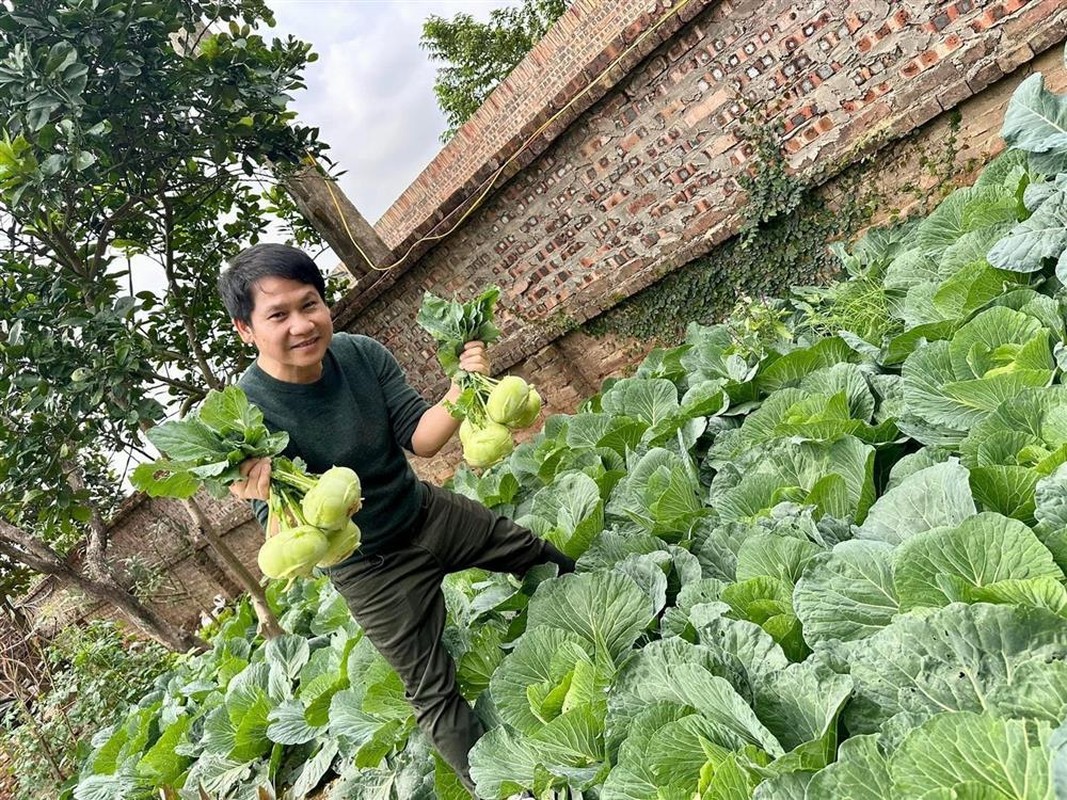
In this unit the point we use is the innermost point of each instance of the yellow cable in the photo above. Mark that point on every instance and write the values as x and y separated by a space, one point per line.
490 182
344 221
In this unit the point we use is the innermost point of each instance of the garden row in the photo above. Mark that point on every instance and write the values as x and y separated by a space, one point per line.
821 551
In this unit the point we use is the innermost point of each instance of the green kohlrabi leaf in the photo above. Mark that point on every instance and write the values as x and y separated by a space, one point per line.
1038 690
792 368
634 774
288 724
991 359
779 557
646 679
207 449
964 211
837 478
161 763
453 323
689 685
289 651
800 704
503 763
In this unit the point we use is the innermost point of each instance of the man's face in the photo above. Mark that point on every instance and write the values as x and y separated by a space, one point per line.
291 328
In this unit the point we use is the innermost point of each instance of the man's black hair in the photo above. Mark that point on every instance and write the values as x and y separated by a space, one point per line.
237 283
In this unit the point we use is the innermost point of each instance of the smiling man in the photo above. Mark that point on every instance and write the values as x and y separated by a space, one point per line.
344 401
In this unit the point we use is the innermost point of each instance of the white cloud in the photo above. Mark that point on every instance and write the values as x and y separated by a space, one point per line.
371 91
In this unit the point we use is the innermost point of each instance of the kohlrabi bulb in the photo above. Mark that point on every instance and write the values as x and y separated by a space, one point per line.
484 444
332 501
292 552
342 544
531 411
507 401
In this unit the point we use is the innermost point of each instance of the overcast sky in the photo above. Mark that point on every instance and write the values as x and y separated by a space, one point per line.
371 91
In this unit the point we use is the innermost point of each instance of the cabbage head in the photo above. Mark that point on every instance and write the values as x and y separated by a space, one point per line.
293 552
342 544
484 444
332 501
507 401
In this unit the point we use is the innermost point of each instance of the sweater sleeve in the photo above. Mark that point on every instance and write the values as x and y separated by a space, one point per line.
259 508
405 406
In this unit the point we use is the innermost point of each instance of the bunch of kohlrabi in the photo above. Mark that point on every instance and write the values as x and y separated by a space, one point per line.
490 409
310 516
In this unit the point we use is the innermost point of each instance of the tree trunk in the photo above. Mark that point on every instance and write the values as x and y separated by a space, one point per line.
143 616
337 220
20 546
204 530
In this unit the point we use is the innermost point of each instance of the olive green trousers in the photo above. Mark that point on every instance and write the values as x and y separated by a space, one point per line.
396 598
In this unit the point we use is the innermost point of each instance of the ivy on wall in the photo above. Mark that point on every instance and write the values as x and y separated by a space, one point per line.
787 225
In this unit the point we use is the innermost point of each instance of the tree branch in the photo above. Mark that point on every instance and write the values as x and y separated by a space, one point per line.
105 227
20 546
202 528
97 540
178 383
199 356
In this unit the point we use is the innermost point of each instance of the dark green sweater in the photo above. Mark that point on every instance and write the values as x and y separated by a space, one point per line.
360 414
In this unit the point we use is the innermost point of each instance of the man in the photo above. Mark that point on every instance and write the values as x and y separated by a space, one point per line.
344 402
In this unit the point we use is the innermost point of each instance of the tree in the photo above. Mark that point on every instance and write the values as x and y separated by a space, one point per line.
479 55
135 141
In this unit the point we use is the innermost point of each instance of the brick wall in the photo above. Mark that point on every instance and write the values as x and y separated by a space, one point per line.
639 183
148 538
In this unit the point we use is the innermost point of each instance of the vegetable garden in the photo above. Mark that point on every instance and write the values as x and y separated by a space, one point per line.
821 552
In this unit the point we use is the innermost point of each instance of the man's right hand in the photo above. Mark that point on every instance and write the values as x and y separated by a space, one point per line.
256 483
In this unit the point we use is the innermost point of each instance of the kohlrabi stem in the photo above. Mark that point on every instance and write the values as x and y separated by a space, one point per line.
275 512
285 471
293 508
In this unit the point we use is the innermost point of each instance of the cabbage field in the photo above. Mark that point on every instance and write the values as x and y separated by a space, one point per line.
821 551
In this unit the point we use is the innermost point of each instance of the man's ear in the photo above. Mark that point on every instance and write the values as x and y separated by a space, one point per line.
244 330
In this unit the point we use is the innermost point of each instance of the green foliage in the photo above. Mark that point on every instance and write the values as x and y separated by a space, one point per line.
96 671
207 447
134 137
859 303
452 324
479 55
490 409
309 515
141 155
809 564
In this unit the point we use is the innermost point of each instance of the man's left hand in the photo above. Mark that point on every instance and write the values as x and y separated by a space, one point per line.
474 358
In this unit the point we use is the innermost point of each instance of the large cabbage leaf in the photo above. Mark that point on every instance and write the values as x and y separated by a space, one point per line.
955 384
981 551
848 593
975 754
950 659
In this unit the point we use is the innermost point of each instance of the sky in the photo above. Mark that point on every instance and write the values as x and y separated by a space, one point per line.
371 91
